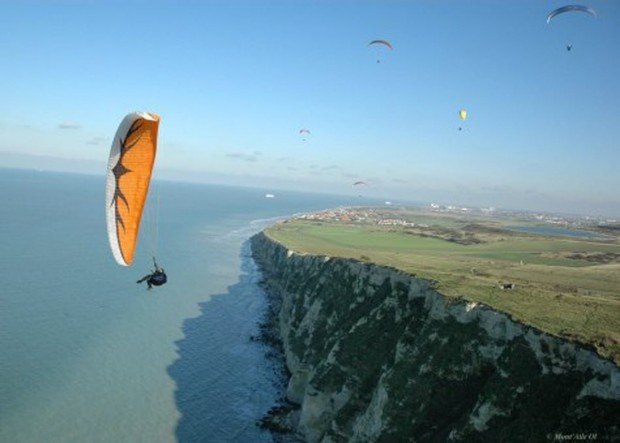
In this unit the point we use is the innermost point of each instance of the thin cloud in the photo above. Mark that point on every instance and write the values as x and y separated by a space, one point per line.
97 140
331 168
495 188
69 125
505 189
243 156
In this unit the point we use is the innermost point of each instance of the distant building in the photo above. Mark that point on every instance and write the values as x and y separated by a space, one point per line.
503 286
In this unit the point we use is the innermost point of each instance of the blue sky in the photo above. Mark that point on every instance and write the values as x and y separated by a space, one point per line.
235 80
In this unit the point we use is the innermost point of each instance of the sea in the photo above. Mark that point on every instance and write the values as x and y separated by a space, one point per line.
88 355
558 231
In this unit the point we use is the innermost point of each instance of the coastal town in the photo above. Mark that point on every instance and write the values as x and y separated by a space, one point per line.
409 216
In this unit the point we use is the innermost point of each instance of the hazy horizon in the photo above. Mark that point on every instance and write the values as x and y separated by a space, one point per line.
94 168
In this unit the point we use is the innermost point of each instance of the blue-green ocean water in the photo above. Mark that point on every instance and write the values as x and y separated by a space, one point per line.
86 355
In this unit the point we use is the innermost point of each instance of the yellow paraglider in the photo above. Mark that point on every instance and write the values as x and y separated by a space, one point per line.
463 117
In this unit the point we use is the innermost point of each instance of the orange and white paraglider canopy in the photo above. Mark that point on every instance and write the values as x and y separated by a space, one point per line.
129 174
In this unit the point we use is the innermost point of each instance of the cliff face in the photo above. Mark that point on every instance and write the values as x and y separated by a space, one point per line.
379 355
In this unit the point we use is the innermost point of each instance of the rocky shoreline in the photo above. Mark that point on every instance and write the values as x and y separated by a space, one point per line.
281 419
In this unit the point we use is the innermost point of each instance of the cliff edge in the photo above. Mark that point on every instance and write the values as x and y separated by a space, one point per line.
378 355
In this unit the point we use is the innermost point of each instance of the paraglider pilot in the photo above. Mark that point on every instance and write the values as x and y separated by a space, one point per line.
156 278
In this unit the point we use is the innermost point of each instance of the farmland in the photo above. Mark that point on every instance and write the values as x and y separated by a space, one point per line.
566 285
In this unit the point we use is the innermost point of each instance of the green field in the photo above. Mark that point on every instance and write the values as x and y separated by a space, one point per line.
569 287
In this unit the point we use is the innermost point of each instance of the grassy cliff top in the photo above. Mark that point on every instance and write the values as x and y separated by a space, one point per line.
566 281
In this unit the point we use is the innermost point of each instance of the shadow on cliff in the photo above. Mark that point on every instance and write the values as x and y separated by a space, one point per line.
224 380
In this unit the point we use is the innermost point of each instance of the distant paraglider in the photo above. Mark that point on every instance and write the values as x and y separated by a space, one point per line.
358 185
463 117
570 8
381 42
378 44
303 131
